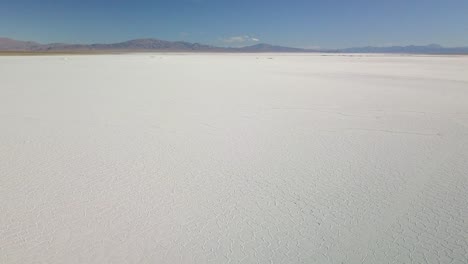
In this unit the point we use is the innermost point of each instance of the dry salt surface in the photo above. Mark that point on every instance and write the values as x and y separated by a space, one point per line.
218 158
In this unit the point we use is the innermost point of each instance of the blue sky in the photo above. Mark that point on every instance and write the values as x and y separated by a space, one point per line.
300 23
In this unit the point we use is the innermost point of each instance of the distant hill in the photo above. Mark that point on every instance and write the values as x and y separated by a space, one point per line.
428 49
7 44
271 48
138 45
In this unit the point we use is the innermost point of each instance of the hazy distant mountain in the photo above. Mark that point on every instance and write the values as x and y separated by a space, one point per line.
7 44
428 49
11 44
152 44
270 48
139 45
131 45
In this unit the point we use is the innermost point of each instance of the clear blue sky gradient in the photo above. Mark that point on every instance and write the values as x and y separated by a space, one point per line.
300 23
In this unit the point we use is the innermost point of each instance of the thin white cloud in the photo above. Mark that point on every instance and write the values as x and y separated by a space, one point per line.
240 39
236 39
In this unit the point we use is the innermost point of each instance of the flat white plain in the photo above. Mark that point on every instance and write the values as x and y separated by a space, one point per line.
219 158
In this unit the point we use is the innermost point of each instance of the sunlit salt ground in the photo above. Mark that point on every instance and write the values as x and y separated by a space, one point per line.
211 158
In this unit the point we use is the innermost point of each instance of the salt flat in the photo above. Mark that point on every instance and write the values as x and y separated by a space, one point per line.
219 158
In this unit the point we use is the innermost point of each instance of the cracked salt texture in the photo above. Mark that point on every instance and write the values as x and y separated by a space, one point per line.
218 158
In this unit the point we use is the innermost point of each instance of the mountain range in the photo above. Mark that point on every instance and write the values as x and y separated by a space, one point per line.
412 49
7 44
